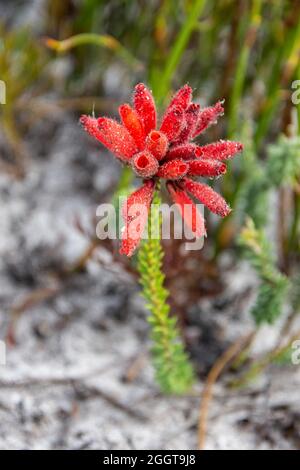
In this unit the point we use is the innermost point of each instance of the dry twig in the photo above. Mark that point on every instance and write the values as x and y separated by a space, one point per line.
212 377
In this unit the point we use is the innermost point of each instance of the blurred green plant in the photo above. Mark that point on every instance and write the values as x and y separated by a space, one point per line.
161 83
252 26
273 284
285 64
280 172
21 62
283 162
281 169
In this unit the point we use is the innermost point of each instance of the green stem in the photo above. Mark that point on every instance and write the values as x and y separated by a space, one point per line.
103 40
173 370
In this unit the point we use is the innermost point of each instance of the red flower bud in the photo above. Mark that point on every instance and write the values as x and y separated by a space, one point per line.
182 98
144 164
157 144
111 134
173 170
207 117
173 122
191 117
208 168
185 151
221 150
145 107
207 196
133 124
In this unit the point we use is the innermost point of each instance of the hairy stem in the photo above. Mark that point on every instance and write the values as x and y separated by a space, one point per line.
173 370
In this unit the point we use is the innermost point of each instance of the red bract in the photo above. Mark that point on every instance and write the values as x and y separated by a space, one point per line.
167 153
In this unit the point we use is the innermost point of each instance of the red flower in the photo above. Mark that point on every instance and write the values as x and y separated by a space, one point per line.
166 153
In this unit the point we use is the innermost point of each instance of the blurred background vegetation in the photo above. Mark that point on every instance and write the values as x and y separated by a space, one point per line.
89 54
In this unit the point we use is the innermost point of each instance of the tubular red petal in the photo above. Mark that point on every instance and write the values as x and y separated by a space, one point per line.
173 122
188 210
117 138
185 151
182 98
157 144
145 107
144 164
135 213
222 150
207 196
209 168
191 117
133 124
142 195
90 125
173 170
207 117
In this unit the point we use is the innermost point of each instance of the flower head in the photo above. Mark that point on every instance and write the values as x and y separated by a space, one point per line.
165 153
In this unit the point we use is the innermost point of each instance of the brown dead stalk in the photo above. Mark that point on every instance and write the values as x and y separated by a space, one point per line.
212 377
